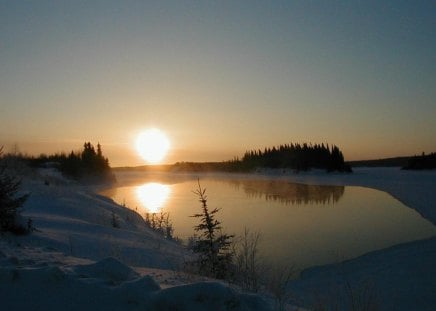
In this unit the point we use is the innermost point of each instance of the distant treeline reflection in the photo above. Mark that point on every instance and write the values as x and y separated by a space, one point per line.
290 193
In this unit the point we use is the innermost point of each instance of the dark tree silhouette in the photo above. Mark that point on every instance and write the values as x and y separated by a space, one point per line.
300 157
422 162
88 164
10 202
212 246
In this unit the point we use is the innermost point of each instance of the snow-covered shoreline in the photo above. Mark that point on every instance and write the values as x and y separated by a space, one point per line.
78 252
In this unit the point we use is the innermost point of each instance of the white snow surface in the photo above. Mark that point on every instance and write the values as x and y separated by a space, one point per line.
77 260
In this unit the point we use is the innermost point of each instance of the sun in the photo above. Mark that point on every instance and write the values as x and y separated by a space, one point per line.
152 145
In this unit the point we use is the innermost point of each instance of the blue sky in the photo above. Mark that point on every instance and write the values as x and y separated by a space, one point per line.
219 77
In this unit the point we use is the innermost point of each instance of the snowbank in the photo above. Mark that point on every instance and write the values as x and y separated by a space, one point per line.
76 221
107 285
402 277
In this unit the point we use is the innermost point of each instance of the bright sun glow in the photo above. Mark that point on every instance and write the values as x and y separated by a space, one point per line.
153 196
152 145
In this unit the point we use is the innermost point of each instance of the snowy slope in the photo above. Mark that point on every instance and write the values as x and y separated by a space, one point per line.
78 222
27 284
402 277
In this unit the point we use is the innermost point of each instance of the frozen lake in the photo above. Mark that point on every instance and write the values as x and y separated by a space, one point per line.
300 224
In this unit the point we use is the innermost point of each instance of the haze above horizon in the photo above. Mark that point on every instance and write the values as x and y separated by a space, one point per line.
219 78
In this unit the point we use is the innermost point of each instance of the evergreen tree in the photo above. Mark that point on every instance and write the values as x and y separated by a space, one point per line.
10 202
87 164
212 246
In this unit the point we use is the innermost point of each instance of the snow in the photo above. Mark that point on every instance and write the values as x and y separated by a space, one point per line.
77 259
106 285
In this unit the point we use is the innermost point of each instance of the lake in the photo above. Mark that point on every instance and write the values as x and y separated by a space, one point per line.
300 224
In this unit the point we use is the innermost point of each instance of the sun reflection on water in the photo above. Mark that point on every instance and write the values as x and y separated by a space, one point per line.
153 196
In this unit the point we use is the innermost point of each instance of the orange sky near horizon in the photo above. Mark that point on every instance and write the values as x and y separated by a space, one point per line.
125 154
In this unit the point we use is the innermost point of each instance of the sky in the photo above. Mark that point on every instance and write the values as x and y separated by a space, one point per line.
218 77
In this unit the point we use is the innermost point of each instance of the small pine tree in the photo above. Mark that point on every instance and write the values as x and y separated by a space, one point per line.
212 246
114 221
10 202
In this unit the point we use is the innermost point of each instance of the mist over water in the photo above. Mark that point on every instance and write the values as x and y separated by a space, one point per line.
300 224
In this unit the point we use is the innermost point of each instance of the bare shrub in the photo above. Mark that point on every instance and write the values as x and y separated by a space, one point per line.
278 284
160 223
248 264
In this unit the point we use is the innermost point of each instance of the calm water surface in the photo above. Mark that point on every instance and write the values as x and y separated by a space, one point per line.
300 224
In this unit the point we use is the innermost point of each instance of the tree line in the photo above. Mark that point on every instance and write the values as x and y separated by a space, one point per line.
88 164
422 162
299 157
